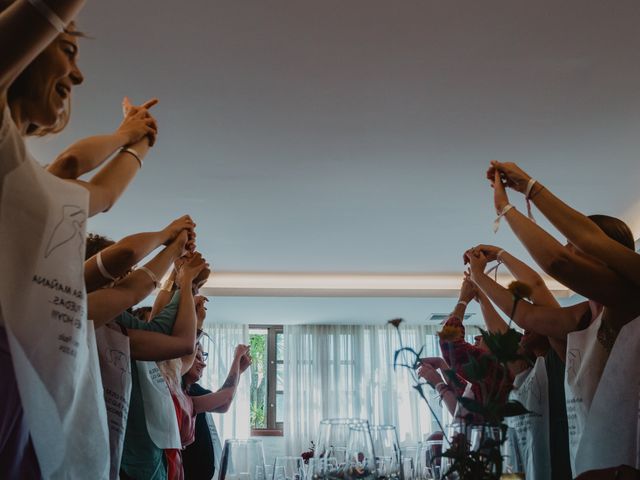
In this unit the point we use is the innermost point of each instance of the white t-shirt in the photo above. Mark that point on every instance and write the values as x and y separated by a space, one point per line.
43 308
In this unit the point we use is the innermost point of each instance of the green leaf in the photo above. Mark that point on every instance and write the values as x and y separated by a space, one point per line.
513 408
404 349
472 405
474 370
504 346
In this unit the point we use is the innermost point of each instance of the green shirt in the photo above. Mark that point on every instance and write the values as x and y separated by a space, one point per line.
141 459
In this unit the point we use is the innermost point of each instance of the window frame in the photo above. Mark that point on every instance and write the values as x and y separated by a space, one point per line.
273 428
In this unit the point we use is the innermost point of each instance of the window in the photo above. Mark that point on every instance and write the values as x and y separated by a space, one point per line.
267 380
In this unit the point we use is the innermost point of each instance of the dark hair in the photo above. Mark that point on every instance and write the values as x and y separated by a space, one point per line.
615 229
141 312
95 244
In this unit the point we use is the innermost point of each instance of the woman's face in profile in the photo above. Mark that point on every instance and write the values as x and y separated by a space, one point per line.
44 88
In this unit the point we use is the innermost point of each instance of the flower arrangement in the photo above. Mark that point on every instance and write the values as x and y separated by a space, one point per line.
484 461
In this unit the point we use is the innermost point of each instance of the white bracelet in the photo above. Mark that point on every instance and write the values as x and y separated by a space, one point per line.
501 213
527 196
154 279
103 271
462 302
51 16
498 255
530 184
441 386
135 154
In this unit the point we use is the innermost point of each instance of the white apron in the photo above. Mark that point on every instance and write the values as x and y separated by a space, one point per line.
610 435
43 302
159 411
531 430
585 361
115 367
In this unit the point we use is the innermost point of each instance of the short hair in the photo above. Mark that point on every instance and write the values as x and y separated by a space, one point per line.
96 243
141 312
615 229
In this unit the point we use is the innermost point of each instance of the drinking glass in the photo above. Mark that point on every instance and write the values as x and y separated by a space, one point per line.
387 450
409 452
361 458
321 467
408 470
240 459
333 437
513 461
268 472
292 468
486 439
428 460
455 432
278 472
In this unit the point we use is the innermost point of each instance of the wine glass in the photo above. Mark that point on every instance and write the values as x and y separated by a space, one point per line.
333 437
361 457
240 459
291 467
456 433
409 452
428 460
387 450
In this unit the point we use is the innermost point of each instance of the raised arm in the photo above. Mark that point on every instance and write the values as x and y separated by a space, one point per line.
554 322
121 256
24 33
221 400
106 303
540 293
582 274
492 319
89 153
436 381
106 186
148 345
577 227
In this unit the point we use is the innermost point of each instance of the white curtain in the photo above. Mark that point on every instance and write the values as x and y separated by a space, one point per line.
221 345
338 371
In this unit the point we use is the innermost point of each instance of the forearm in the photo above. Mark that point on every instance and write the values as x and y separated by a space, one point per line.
492 319
540 294
85 155
185 324
544 249
459 310
155 346
118 258
141 244
585 234
549 321
164 295
106 187
221 400
448 397
28 33
577 227
496 293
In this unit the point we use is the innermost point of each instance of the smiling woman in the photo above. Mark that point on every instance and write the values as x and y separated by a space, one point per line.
42 92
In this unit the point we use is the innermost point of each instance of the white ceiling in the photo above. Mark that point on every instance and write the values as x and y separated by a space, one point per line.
335 136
